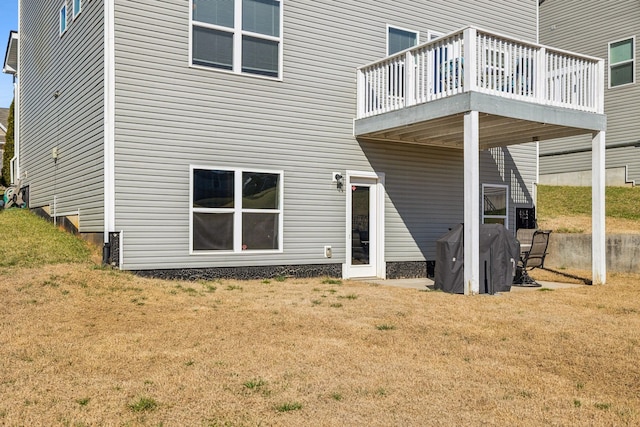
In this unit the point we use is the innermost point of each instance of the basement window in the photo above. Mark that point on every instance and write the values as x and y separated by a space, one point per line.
235 210
495 204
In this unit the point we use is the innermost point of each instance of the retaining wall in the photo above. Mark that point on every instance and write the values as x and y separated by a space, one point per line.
574 251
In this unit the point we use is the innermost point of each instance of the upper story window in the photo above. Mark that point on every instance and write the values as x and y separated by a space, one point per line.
399 39
242 36
495 204
622 62
77 7
63 18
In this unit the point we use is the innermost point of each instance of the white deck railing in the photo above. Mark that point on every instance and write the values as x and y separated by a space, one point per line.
500 66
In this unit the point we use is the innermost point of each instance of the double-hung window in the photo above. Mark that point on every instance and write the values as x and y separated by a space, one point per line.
63 18
622 62
235 210
242 36
495 204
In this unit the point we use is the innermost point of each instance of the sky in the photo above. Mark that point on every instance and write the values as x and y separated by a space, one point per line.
8 22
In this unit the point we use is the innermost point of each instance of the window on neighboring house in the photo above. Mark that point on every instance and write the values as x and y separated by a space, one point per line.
242 36
63 18
236 210
622 62
399 39
495 204
77 7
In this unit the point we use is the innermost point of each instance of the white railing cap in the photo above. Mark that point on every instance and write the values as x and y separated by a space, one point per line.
482 31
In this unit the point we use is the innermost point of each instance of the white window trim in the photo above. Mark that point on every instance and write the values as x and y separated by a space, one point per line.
238 32
66 18
389 26
238 210
73 6
632 61
508 196
432 35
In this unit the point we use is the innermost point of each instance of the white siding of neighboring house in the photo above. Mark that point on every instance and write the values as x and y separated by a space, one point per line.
72 66
170 116
588 27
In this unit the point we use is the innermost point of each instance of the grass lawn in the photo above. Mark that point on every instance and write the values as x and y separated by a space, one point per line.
568 209
82 345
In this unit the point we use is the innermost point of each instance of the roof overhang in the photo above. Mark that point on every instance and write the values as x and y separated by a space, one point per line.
502 122
11 56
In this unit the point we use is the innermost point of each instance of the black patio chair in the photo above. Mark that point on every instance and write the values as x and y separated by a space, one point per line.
532 258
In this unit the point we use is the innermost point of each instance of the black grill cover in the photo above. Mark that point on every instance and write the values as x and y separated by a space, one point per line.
499 253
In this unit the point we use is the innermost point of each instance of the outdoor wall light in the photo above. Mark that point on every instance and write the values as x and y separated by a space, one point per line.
339 181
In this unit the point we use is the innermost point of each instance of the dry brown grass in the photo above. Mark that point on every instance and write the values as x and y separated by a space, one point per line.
81 346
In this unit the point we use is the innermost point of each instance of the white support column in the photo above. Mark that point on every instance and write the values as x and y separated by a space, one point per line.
598 234
471 204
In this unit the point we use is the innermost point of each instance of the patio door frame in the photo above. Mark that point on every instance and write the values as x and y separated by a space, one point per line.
377 265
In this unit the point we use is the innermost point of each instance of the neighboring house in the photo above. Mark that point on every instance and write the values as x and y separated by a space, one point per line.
607 30
4 118
249 138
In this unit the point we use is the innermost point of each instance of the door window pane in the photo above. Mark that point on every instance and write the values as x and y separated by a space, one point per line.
261 16
212 189
217 12
259 56
259 231
212 48
360 211
260 190
212 231
400 40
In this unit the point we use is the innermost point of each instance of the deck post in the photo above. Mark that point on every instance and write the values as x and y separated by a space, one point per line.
598 233
471 203
540 76
469 57
410 79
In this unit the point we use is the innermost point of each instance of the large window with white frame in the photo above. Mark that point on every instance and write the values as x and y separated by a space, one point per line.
622 62
495 204
399 39
63 18
234 210
241 36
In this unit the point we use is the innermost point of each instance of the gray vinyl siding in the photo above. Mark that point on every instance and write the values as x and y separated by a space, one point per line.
170 116
72 65
588 27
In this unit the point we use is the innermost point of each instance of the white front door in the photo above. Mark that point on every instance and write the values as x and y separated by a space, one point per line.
364 221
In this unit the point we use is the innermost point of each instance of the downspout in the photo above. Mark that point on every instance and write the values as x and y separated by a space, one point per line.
109 125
